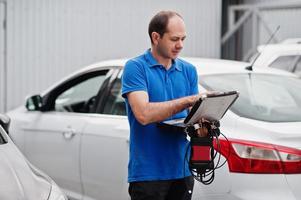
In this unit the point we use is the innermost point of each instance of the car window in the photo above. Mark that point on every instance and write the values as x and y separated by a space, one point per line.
263 97
80 97
115 104
284 62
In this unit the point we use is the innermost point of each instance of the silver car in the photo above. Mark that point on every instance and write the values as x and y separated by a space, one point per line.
19 179
77 132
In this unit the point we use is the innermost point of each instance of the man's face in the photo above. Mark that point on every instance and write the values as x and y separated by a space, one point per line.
171 43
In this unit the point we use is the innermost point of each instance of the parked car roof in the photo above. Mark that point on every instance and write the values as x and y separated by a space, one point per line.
209 65
285 56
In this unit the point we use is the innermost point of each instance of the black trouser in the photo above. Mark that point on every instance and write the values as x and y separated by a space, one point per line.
178 189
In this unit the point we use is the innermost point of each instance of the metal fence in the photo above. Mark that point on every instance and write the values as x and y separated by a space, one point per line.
251 25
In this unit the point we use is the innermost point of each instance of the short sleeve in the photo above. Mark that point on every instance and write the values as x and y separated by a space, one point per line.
133 78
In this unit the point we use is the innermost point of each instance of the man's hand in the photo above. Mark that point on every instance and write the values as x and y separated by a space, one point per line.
203 131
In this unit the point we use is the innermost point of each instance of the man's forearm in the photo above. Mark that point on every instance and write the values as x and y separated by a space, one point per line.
156 112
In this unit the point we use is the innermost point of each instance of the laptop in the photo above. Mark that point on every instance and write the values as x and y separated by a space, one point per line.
211 107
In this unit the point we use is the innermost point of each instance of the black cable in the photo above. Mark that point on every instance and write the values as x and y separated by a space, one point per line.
197 176
218 149
226 157
201 177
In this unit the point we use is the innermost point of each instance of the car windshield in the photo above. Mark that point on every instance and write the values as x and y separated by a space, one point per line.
265 97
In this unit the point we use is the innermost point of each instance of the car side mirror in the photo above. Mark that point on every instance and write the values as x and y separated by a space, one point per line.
5 122
34 103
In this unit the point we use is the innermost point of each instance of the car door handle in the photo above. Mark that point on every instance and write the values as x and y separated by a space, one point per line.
70 133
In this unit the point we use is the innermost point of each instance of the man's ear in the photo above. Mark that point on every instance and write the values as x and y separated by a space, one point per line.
155 37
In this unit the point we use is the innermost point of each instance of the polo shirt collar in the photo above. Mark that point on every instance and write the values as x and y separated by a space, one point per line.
153 62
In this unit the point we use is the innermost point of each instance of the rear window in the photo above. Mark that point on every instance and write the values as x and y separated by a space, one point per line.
264 97
285 62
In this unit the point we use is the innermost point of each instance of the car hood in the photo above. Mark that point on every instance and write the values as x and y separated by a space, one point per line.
285 133
18 179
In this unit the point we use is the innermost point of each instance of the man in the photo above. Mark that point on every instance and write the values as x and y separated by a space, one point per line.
158 86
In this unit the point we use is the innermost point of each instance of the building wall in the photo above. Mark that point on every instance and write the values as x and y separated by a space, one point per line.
286 17
2 57
253 32
49 39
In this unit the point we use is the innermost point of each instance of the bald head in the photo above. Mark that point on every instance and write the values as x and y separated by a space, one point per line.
160 21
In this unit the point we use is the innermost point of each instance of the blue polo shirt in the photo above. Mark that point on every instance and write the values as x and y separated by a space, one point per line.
157 154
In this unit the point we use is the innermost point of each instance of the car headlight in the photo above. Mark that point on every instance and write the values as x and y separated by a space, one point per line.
56 193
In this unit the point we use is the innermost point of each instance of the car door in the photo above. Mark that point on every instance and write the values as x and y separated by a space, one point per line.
53 137
104 150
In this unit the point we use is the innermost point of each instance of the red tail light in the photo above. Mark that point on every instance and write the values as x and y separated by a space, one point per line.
256 157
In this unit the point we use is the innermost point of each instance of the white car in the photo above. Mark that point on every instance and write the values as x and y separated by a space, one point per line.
285 56
77 132
19 179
